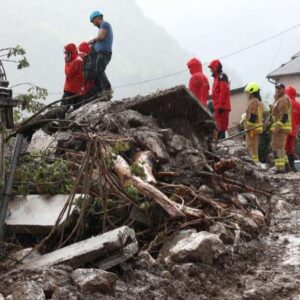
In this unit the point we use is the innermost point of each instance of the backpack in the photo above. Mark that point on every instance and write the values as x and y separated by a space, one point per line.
89 65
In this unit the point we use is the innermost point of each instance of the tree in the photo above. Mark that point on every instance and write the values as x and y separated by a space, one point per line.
28 102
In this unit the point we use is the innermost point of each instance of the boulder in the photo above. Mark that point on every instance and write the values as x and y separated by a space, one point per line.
198 247
41 141
28 291
95 280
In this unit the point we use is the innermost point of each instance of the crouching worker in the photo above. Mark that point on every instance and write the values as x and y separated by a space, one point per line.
74 82
280 126
253 119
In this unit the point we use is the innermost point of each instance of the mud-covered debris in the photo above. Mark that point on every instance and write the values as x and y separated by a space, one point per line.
225 235
95 280
28 291
113 247
202 247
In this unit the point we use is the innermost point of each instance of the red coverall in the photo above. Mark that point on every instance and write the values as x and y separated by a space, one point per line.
84 50
199 84
295 106
74 72
220 96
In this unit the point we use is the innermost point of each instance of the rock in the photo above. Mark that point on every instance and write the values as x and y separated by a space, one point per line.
245 223
49 279
225 235
28 291
146 256
36 213
95 280
113 247
165 249
177 143
198 247
166 275
184 270
69 292
41 141
242 199
1 297
283 207
206 190
152 141
257 215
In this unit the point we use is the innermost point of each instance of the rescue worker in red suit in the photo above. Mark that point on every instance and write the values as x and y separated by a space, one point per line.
74 82
291 138
199 84
84 51
221 97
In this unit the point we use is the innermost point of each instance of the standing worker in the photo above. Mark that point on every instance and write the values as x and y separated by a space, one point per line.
253 119
198 84
280 126
85 52
221 97
74 77
291 138
102 44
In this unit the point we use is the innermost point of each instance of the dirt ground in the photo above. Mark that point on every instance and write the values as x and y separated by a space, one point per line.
265 269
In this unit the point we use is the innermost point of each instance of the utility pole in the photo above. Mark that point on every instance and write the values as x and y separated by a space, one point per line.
6 122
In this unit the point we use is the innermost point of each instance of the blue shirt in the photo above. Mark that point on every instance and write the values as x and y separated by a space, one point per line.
106 44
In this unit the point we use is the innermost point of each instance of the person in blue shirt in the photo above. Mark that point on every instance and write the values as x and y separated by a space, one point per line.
102 44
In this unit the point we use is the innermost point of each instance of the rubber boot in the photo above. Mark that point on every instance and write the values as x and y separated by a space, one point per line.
221 135
291 159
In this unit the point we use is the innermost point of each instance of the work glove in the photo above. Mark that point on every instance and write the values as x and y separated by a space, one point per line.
220 110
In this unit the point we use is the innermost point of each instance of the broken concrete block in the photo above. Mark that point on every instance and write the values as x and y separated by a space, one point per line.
36 213
41 141
112 248
28 291
199 247
222 232
22 255
95 280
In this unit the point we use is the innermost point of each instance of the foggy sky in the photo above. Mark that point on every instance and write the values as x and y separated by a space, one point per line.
205 29
211 29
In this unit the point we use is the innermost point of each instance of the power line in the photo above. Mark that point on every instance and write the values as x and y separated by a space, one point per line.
222 57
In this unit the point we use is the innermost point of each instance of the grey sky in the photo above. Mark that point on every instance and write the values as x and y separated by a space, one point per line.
207 29
210 29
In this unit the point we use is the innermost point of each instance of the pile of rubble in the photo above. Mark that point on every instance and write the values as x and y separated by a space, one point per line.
148 180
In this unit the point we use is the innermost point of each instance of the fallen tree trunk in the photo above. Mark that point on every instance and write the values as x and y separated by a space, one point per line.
144 160
123 172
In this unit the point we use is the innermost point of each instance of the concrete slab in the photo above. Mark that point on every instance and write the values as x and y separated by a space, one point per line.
110 249
35 213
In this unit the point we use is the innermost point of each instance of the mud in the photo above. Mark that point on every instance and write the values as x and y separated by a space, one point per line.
265 269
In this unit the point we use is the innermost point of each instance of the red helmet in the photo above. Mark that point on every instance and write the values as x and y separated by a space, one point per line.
84 47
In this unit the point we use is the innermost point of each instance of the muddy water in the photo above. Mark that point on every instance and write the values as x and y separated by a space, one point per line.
278 274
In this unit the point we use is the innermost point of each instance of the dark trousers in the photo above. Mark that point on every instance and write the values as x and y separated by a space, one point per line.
101 81
75 102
